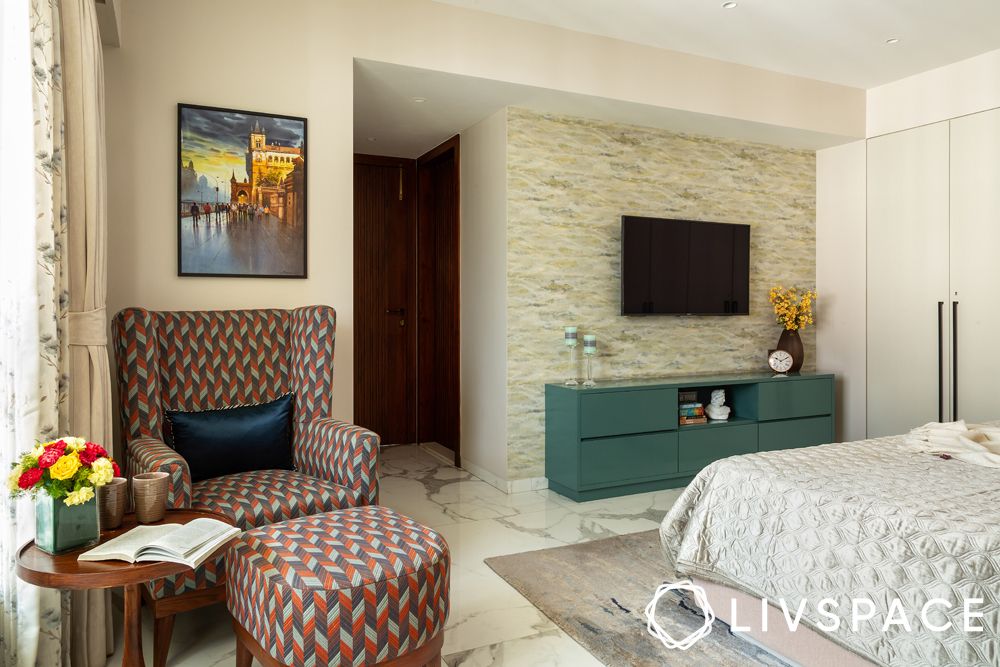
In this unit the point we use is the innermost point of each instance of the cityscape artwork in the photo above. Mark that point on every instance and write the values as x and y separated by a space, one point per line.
241 190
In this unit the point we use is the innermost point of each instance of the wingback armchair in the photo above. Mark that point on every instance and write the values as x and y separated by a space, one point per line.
193 361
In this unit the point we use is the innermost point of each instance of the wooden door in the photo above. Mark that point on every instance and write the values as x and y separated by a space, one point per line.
908 292
438 385
385 297
975 272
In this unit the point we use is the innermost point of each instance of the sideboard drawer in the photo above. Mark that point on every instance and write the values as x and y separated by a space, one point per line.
794 398
624 412
700 446
607 461
795 433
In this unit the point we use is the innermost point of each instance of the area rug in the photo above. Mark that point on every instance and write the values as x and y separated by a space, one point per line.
597 591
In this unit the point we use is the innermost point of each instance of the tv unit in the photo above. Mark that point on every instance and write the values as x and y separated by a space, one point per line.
684 267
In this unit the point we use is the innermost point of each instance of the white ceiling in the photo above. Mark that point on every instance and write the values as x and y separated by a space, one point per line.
840 41
385 110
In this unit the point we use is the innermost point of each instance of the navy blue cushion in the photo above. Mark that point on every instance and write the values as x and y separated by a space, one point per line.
230 440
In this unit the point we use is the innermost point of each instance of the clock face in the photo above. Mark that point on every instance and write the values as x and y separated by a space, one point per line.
780 361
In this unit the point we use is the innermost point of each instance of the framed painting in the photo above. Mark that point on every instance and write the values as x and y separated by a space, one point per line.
241 193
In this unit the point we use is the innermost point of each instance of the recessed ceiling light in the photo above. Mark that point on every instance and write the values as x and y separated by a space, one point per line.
892 40
371 138
419 100
730 5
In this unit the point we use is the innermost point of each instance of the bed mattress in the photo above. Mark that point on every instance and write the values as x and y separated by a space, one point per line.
867 533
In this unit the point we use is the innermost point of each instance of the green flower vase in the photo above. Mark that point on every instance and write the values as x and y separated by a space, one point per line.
60 527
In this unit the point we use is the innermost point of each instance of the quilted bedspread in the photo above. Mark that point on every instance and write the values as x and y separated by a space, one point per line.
869 520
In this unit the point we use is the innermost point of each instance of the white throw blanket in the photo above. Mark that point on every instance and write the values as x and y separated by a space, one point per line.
973 443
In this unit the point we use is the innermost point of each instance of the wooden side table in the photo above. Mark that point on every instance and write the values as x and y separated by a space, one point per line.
66 572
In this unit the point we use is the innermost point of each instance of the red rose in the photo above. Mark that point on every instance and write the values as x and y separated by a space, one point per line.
29 478
50 455
97 448
118 471
60 445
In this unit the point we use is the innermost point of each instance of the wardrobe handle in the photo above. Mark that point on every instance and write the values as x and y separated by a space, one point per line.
954 360
940 313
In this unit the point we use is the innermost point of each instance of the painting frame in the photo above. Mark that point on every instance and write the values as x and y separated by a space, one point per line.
179 202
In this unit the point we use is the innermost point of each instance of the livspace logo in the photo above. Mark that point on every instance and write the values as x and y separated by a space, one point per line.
860 610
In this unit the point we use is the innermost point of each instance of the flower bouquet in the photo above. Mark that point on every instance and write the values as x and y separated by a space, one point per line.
62 476
793 310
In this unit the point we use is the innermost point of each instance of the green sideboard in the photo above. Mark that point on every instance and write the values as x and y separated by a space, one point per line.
622 436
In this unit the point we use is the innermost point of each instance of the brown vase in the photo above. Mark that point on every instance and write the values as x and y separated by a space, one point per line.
790 342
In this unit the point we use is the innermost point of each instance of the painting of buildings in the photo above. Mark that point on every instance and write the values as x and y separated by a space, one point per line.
241 193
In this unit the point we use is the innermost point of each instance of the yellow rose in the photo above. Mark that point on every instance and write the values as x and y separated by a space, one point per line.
15 474
79 497
65 466
101 472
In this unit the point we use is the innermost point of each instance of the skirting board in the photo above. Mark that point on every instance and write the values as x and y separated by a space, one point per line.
507 486
438 451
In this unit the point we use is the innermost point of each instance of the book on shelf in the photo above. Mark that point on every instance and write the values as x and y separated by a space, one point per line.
692 412
687 396
684 421
190 544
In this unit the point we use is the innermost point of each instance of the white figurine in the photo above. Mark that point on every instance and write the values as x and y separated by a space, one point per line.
717 409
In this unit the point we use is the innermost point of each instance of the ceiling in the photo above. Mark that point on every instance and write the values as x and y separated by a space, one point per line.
839 41
385 110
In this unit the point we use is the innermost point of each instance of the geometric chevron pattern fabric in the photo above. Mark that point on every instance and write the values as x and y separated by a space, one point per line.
262 497
355 587
200 360
341 452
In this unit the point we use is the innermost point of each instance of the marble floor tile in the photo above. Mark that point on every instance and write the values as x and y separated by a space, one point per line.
490 623
551 648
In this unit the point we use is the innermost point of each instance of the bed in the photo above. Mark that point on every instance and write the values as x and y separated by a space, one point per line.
869 520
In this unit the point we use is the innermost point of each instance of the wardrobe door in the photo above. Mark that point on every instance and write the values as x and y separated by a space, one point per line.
907 279
975 264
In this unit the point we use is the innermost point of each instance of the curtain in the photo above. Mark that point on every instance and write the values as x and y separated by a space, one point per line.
54 369
86 204
33 303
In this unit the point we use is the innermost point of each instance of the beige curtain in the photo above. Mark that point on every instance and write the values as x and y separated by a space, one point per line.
91 630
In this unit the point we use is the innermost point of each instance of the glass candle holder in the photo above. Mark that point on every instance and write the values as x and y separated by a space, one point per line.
569 337
589 350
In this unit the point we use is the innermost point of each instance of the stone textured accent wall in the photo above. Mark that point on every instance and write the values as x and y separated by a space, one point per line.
569 181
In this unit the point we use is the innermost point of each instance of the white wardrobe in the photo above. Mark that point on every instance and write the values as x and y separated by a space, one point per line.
933 283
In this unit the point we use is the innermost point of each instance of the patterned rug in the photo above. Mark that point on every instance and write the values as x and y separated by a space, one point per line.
597 591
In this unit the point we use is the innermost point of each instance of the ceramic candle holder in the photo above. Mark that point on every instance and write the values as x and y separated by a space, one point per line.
111 499
149 496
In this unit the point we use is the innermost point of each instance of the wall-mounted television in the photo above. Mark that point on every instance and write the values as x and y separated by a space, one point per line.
684 267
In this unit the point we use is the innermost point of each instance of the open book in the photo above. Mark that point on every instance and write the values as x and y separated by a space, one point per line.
189 543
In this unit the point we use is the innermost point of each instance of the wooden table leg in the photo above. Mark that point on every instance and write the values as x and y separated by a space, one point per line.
132 656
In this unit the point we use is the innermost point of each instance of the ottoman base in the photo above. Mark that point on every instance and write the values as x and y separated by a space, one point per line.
247 648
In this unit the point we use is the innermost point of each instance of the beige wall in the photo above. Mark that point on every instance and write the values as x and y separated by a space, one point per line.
841 341
569 181
296 58
965 87
484 298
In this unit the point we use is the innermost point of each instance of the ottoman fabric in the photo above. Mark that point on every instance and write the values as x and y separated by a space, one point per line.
353 587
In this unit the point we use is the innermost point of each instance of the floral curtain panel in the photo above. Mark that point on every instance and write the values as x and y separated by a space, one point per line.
54 370
33 304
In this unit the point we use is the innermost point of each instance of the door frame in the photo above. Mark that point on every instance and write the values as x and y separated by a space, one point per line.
453 351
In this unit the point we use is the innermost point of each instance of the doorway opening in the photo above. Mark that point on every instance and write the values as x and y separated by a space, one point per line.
406 297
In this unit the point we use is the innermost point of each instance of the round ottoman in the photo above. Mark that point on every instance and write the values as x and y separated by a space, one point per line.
361 586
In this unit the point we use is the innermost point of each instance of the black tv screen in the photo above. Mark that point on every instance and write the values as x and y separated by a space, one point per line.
684 267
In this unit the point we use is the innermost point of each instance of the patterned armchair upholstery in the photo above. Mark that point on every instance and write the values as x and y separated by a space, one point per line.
212 359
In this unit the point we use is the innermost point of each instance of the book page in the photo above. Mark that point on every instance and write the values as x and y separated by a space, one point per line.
126 546
188 538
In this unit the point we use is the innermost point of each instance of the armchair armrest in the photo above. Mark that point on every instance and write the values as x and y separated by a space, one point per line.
342 453
153 455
